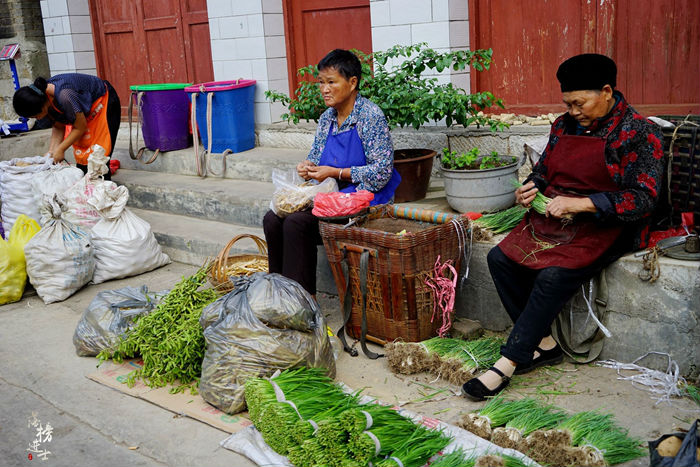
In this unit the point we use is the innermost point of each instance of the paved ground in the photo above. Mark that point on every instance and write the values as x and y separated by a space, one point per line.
95 425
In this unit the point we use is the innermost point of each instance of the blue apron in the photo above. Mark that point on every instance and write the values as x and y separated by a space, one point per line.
345 150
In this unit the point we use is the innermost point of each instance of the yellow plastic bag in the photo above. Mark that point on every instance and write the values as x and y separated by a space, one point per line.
13 272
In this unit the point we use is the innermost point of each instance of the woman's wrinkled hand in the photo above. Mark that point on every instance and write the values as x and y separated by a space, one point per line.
566 206
322 172
303 168
525 194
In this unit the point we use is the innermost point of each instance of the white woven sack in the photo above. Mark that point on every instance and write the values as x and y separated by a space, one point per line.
78 211
16 193
124 243
56 180
59 257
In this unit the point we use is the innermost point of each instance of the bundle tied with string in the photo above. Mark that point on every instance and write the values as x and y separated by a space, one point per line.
454 360
497 412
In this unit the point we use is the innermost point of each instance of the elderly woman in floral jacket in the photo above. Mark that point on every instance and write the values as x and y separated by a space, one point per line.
602 168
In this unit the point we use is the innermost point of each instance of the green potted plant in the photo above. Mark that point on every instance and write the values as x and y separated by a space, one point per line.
476 182
407 98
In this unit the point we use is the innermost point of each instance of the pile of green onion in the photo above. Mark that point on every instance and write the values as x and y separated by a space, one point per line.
547 435
306 416
456 360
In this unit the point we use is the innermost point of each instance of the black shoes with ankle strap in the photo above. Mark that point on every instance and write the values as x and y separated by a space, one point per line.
477 391
552 356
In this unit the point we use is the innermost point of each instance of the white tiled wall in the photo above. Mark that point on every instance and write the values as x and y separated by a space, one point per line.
443 24
247 41
68 34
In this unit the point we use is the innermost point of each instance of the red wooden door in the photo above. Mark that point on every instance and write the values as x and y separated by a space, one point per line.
151 41
315 27
655 45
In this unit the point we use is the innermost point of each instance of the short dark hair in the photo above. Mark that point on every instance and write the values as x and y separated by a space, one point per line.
29 101
345 62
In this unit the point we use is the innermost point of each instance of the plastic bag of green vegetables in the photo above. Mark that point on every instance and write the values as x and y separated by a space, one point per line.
267 323
110 315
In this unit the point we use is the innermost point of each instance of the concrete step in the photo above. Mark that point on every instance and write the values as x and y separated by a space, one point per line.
193 241
255 164
225 200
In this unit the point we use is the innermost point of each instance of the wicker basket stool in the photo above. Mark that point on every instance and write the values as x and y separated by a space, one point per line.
398 302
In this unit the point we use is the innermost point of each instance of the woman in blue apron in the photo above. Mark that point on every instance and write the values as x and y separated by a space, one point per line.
352 145
602 168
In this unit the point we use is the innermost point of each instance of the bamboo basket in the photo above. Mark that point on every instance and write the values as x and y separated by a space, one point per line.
399 304
218 275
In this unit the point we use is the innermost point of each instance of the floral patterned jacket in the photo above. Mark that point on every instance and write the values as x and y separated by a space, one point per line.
373 130
634 156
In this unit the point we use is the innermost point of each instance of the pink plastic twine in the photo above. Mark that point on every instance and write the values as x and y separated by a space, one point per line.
443 293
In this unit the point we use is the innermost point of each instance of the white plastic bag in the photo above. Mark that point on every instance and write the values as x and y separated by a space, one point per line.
16 193
293 194
124 243
78 211
60 257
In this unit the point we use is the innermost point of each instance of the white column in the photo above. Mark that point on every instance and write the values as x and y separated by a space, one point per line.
68 33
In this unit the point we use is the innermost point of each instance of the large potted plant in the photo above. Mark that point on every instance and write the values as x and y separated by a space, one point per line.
395 80
480 183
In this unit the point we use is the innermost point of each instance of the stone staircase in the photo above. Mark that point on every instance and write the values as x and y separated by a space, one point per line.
193 218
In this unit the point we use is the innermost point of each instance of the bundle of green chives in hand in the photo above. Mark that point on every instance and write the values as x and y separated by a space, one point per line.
496 412
503 221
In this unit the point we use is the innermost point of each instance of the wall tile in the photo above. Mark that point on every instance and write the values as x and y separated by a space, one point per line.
274 24
410 11
275 47
259 69
53 27
44 8
459 10
85 60
235 69
251 47
233 27
78 7
63 43
262 113
277 68
387 36
379 13
441 10
461 80
58 8
214 32
272 6
83 42
279 85
58 61
223 49
219 8
80 24
437 35
255 26
459 34
247 7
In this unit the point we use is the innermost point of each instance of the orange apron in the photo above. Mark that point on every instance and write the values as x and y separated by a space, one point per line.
97 131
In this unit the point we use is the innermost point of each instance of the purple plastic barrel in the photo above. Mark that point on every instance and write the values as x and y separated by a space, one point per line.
165 113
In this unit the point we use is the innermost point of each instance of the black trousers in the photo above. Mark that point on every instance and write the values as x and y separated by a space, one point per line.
114 117
533 298
291 246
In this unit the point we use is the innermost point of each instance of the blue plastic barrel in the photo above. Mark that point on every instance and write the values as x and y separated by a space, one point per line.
232 117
